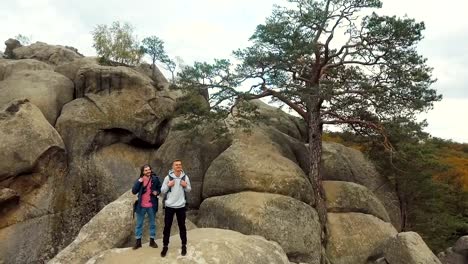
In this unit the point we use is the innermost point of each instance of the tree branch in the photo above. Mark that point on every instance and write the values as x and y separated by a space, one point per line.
346 120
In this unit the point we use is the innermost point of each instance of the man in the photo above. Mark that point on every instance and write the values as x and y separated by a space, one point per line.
175 185
148 187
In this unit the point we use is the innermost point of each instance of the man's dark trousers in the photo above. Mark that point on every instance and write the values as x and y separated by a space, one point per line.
168 218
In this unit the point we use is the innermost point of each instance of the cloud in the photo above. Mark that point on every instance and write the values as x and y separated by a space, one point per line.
448 120
206 29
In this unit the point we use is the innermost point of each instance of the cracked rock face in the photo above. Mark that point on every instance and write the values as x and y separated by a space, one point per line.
73 135
32 172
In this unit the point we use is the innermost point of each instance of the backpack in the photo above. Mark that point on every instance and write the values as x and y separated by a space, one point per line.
185 193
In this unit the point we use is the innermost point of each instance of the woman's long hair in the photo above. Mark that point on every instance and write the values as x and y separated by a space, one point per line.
143 168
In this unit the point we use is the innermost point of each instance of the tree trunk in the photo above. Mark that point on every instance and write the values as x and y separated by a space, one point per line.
315 176
153 70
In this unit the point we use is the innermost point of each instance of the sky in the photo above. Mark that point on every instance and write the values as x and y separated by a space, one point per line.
206 29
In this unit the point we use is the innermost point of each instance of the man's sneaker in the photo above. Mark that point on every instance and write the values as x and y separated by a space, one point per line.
137 244
184 250
152 243
164 252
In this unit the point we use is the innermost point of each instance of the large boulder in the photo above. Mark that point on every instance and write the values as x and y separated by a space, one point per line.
92 122
108 229
354 237
32 167
205 245
117 109
52 54
451 257
458 254
11 44
103 80
289 147
46 89
196 150
345 197
291 223
8 67
408 248
115 104
461 246
155 74
30 241
340 163
25 136
70 69
256 163
284 122
112 227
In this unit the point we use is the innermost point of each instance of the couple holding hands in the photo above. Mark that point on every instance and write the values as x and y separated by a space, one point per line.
148 188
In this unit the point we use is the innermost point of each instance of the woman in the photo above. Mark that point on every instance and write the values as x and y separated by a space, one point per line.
148 188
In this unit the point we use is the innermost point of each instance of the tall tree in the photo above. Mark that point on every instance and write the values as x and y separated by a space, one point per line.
154 47
117 43
332 64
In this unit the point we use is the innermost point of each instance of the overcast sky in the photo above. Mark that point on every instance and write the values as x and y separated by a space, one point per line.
205 29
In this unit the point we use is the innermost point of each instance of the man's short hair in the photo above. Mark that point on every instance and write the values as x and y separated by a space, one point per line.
176 161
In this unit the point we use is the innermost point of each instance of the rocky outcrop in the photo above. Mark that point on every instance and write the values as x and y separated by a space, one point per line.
354 237
291 223
115 126
52 54
103 80
112 227
274 117
408 248
108 229
155 74
254 163
59 189
46 89
205 245
118 167
451 257
458 254
340 163
11 44
25 137
109 114
32 167
345 197
8 67
461 246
